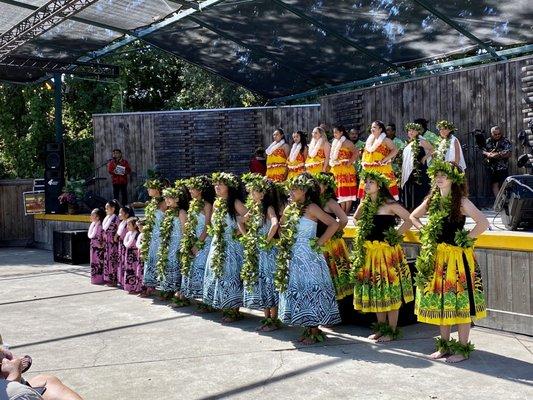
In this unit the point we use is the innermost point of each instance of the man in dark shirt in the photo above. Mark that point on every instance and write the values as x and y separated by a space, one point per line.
119 169
497 153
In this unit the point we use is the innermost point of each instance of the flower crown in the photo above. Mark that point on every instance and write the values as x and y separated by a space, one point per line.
302 181
227 178
327 179
198 182
413 126
453 172
445 125
154 184
256 182
380 179
177 190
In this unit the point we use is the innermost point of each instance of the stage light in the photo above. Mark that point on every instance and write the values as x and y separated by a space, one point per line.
48 86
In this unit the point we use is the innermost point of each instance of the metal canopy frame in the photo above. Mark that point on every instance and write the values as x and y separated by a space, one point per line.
55 66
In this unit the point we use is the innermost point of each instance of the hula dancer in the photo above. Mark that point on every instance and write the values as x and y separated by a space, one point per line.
112 257
449 147
298 154
377 156
123 215
335 249
131 263
277 154
450 290
307 296
222 279
260 226
167 266
154 214
97 251
416 156
196 242
318 153
382 277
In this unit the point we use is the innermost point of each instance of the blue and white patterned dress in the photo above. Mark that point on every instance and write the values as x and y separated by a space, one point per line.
171 281
192 286
310 297
264 294
226 291
150 273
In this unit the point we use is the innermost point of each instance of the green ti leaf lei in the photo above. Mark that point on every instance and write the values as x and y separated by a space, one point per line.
166 235
439 209
364 226
250 241
463 240
149 215
216 231
189 239
392 237
442 148
288 233
417 167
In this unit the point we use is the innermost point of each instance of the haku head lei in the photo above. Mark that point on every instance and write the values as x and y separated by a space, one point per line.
454 172
256 182
445 125
201 182
154 184
227 178
413 126
380 179
303 182
327 179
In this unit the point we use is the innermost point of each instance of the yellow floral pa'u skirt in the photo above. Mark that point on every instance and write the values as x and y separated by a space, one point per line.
336 254
454 295
384 281
277 165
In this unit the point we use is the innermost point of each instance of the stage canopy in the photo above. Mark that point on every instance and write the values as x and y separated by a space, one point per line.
273 47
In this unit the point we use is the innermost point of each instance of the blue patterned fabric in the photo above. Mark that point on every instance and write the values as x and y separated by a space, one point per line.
150 274
226 291
264 294
310 297
192 286
171 281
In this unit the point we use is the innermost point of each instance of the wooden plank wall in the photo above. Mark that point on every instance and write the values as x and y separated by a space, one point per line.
16 229
290 119
473 98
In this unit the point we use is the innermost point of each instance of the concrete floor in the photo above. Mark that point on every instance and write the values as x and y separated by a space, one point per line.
110 345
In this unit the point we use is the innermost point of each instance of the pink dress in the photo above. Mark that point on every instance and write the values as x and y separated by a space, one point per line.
110 226
140 267
132 264
97 252
121 232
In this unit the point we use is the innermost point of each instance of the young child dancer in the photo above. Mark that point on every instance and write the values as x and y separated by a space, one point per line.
154 214
260 226
124 213
112 258
168 269
139 272
97 252
131 258
222 279
450 290
196 242
307 296
382 277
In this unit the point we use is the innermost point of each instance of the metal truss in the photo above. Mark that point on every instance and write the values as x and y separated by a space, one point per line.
56 66
38 22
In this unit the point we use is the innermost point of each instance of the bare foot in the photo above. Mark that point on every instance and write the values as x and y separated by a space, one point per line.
455 358
229 320
375 336
270 328
385 338
438 354
307 341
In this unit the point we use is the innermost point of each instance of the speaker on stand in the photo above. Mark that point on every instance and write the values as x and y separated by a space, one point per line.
54 177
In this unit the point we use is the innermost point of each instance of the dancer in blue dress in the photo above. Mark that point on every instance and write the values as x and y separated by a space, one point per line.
222 278
196 242
307 295
154 213
259 227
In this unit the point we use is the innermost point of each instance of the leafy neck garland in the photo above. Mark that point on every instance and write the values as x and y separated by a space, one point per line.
250 241
417 166
439 209
217 230
443 147
364 227
288 234
166 236
189 239
150 216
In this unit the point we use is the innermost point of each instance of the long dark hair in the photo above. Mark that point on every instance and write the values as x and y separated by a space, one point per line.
128 211
458 190
342 130
303 140
233 195
100 213
183 200
380 124
115 204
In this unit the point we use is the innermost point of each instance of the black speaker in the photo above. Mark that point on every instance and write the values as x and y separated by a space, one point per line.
54 177
515 202
71 247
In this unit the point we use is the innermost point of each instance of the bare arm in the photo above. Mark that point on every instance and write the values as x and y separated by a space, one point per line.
327 149
322 216
482 223
355 152
457 151
335 208
393 150
401 212
428 148
274 224
418 213
359 211
240 208
208 210
183 217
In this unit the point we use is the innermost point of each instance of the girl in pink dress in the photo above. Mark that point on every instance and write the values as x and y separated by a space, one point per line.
110 226
123 215
97 250
131 258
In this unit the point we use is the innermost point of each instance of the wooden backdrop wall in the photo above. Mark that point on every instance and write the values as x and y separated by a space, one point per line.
186 143
473 98
15 228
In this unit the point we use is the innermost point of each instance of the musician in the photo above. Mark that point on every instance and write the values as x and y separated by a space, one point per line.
119 169
497 152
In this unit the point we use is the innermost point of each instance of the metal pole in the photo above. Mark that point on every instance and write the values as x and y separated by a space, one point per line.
58 108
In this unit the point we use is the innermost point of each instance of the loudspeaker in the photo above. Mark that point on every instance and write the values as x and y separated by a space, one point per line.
515 201
54 177
71 247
